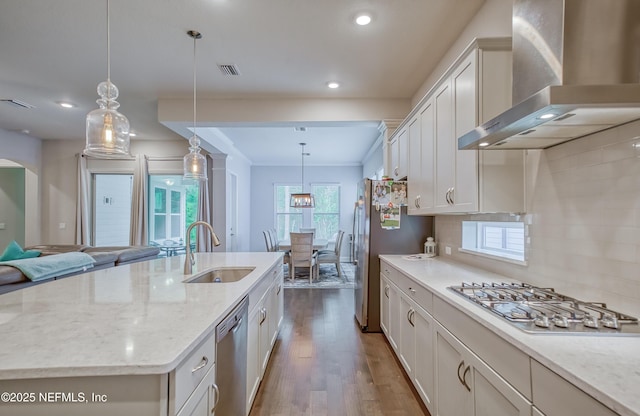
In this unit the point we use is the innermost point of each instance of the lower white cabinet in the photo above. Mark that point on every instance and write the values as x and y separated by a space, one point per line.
555 396
409 329
204 398
468 386
265 317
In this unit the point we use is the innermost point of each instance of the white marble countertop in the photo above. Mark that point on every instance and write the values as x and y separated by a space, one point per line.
605 367
133 319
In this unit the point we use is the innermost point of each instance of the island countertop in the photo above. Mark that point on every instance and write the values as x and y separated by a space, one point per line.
605 367
139 318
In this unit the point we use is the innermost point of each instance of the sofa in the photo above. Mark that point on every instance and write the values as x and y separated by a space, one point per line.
12 278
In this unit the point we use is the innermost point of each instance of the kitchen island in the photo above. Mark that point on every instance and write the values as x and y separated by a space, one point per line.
543 371
131 324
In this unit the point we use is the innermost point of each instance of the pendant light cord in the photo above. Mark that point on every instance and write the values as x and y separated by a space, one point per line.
108 48
195 38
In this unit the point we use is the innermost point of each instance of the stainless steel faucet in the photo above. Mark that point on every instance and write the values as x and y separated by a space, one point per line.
190 260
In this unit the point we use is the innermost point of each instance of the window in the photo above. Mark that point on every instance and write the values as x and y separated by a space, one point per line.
287 219
111 209
325 217
326 214
173 205
495 239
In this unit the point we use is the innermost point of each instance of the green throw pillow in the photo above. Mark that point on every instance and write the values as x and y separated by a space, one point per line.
15 252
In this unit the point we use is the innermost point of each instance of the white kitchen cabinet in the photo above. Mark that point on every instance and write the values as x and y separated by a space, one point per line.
384 304
476 88
421 161
465 385
265 319
399 144
555 396
204 398
409 329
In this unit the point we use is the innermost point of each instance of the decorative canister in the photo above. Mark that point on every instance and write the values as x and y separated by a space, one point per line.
430 247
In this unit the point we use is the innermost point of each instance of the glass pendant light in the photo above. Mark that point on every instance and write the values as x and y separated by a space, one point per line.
107 129
194 163
302 199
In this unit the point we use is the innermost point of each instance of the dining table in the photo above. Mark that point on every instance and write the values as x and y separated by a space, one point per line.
318 244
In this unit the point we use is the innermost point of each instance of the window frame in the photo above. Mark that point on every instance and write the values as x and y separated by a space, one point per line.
474 234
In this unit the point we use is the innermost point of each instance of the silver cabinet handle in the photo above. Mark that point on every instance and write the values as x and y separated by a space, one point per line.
263 315
279 289
412 290
395 171
386 291
203 364
410 317
451 196
216 392
419 201
448 196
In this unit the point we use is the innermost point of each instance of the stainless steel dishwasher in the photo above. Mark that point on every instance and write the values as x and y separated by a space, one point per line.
231 361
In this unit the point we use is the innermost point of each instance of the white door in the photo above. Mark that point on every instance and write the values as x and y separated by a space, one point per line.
233 212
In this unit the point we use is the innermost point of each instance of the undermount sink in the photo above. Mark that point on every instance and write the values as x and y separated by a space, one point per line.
222 275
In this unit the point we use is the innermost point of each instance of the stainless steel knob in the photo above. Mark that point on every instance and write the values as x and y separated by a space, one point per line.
610 321
542 321
560 321
590 321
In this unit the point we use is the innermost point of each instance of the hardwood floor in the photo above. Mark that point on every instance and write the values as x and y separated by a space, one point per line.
322 364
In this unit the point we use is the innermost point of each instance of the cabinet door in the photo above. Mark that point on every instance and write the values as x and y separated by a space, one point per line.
394 316
384 305
403 153
424 369
414 174
275 296
427 158
203 399
253 354
453 396
493 396
395 157
407 341
265 336
444 149
465 93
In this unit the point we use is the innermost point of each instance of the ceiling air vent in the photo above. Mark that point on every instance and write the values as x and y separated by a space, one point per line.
229 69
17 103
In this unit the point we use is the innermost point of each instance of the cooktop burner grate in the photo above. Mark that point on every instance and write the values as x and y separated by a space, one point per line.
542 310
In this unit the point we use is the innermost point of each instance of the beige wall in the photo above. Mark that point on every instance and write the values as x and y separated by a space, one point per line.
492 20
58 182
584 209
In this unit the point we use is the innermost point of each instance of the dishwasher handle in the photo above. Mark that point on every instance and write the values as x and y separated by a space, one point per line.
232 320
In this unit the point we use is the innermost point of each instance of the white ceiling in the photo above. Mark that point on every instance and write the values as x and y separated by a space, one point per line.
54 51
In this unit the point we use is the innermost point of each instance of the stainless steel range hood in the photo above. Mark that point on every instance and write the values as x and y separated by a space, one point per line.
576 71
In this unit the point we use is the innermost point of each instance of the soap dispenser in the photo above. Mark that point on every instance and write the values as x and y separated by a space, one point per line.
430 247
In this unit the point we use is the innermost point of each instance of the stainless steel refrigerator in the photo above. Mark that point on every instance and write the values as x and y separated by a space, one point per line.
373 236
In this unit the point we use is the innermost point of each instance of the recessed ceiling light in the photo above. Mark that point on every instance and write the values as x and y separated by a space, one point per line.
65 104
132 134
363 19
547 116
483 144
333 85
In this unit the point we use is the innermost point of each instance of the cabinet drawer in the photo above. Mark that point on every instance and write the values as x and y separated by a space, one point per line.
555 396
507 360
419 294
186 377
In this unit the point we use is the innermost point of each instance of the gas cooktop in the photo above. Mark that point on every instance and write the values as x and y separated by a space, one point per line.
542 310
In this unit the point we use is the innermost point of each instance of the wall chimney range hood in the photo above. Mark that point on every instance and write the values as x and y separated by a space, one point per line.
576 71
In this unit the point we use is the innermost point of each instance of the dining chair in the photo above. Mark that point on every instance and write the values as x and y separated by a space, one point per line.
302 255
308 230
267 240
332 256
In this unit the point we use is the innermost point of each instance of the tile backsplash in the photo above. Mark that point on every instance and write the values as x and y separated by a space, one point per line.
583 211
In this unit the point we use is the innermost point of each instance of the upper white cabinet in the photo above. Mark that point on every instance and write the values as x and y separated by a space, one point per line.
399 148
443 179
